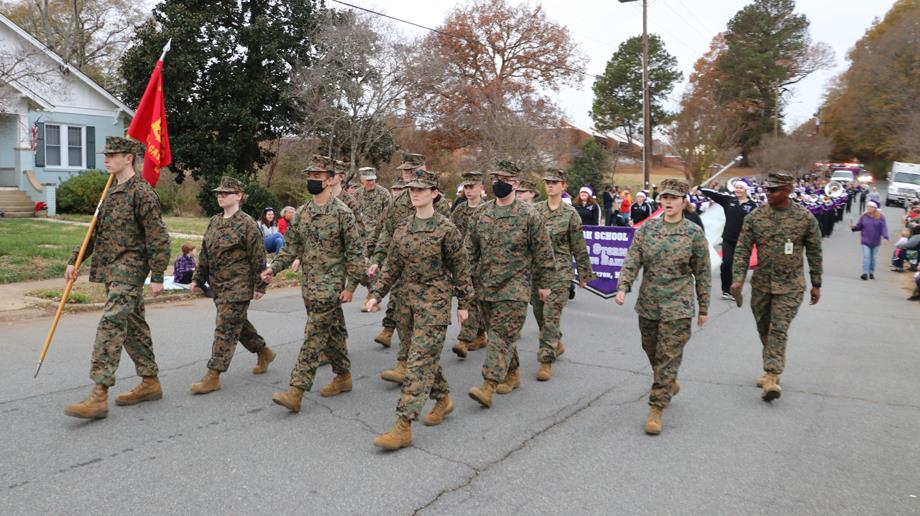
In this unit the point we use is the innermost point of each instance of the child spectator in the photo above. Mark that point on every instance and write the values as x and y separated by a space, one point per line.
184 266
897 257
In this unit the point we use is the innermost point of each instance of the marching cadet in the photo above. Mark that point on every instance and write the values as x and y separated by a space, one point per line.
472 332
232 258
508 247
428 258
781 230
324 237
374 202
674 256
527 192
130 242
564 227
400 211
337 185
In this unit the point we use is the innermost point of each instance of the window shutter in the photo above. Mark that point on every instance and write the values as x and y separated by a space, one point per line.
40 146
90 147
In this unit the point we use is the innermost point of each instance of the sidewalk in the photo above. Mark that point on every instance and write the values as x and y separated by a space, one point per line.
185 236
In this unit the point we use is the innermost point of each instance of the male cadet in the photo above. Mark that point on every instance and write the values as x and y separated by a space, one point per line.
508 248
324 237
472 332
130 242
337 185
527 192
400 210
781 230
373 202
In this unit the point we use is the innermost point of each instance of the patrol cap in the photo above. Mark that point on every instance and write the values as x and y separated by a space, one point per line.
340 167
472 177
411 162
353 183
367 173
554 174
119 145
423 179
229 185
320 163
775 179
506 168
674 186
526 186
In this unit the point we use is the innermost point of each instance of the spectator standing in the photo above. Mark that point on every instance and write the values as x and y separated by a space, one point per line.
873 229
863 197
607 197
625 204
184 266
271 236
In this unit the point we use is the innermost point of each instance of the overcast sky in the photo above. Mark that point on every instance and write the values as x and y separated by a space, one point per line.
687 27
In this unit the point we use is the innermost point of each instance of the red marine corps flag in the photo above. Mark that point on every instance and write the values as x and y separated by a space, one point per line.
149 125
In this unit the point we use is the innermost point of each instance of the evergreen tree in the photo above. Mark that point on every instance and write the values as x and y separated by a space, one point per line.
588 168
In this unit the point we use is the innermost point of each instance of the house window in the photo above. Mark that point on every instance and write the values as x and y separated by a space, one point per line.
65 146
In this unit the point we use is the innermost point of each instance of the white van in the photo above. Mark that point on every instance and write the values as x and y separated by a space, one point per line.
903 183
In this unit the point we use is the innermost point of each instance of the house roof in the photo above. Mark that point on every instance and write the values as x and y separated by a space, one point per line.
613 135
60 62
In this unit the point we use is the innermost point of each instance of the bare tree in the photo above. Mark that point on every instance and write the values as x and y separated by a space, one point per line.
24 68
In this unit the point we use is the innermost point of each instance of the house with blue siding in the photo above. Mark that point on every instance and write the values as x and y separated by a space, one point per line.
53 118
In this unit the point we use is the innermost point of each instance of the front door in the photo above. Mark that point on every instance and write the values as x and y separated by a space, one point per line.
8 176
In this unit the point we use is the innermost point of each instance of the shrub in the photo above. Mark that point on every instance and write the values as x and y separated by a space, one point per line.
80 193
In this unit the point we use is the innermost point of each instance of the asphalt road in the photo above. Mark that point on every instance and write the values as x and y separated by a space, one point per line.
843 439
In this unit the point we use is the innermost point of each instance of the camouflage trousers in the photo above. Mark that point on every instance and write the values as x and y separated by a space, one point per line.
774 313
325 333
549 314
663 342
232 326
122 326
474 326
504 320
425 377
389 317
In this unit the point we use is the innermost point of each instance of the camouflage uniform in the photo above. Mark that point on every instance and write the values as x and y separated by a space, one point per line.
399 211
129 243
674 257
778 282
507 246
462 217
564 227
373 206
326 241
232 256
429 260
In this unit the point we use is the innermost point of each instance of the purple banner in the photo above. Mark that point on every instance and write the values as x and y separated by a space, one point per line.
607 247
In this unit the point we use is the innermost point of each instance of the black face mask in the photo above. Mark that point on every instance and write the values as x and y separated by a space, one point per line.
502 189
315 186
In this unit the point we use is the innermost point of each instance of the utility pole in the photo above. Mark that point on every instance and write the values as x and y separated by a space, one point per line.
646 101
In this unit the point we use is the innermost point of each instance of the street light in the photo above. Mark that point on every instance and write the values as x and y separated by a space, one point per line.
646 104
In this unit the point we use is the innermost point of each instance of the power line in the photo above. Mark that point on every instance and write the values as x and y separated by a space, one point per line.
441 32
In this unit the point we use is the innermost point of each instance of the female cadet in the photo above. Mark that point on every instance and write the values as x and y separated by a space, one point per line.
231 260
675 257
564 227
428 261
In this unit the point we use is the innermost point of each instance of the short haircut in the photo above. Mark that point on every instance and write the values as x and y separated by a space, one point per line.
188 247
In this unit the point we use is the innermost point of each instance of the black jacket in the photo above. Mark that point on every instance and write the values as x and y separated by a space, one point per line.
639 212
735 211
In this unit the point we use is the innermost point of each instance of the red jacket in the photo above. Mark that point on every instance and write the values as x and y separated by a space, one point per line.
282 225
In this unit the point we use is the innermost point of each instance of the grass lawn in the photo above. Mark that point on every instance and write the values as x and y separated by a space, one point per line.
85 293
32 249
190 225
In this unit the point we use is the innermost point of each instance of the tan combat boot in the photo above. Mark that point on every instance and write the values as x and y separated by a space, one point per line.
95 406
483 393
265 357
289 399
653 421
478 343
210 382
560 349
545 372
761 379
148 390
385 337
771 388
461 348
398 437
341 383
512 381
397 374
675 388
441 409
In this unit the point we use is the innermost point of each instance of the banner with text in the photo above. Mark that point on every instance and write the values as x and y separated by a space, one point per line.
607 247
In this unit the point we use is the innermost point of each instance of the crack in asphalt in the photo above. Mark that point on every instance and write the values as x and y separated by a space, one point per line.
479 471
